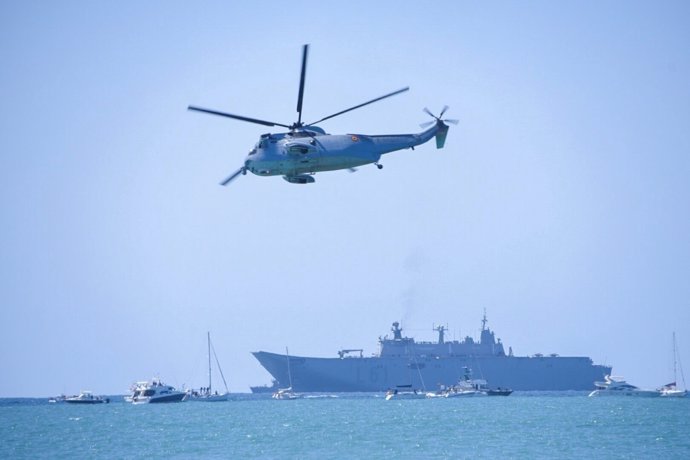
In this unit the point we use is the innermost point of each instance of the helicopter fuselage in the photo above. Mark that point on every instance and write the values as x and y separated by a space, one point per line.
300 153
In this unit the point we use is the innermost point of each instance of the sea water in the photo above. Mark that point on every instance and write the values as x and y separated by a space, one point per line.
523 425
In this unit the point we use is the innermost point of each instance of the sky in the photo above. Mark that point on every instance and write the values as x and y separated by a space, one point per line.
560 203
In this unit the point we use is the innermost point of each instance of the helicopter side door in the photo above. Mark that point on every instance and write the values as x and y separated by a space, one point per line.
305 156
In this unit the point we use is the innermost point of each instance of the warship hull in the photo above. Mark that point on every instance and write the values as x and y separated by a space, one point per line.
547 373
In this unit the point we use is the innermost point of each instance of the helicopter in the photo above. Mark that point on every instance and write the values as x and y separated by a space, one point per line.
306 149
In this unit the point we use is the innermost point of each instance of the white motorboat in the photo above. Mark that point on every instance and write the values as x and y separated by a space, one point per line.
86 397
456 392
469 387
207 394
617 386
155 391
466 386
440 393
464 389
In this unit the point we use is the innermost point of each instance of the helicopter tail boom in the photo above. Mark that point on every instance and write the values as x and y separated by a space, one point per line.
386 143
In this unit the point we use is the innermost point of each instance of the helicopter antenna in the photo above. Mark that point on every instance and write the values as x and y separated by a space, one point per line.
300 94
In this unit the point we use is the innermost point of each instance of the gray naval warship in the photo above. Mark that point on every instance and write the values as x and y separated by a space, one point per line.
426 365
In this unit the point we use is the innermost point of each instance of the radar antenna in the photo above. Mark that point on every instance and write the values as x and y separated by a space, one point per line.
441 330
397 331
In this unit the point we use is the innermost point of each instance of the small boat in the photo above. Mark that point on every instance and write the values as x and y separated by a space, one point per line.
287 393
206 394
440 393
57 399
464 391
86 397
617 386
154 391
670 390
404 392
467 386
499 392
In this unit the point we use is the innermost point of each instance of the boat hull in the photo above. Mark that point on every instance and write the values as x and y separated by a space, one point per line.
633 393
210 398
674 393
464 394
499 392
374 374
173 398
95 401
418 395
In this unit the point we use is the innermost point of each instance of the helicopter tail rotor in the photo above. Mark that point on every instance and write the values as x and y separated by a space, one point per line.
438 119
441 123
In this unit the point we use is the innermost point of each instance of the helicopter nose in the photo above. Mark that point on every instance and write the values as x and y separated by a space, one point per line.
248 164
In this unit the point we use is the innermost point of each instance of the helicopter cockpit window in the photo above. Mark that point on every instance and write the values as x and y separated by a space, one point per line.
299 148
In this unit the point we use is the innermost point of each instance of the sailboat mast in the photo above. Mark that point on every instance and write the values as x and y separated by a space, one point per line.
220 369
208 336
674 358
287 355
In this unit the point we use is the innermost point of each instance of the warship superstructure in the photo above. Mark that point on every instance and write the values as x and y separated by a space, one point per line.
403 361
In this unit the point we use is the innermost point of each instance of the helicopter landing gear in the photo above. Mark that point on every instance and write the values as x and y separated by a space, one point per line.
379 165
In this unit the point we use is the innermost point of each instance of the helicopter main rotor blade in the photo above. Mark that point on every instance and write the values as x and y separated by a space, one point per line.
300 94
362 105
232 177
236 117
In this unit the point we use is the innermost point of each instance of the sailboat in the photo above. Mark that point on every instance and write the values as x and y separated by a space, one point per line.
287 393
406 391
670 390
207 394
